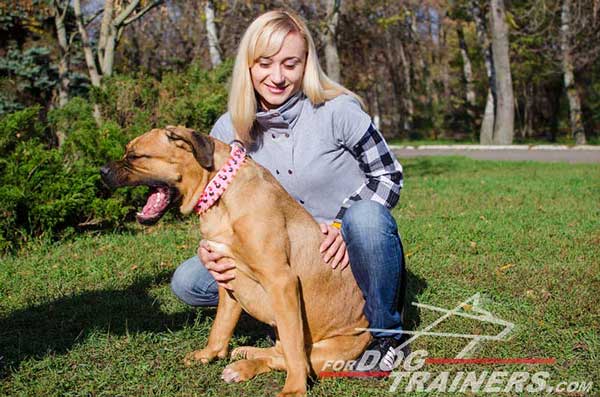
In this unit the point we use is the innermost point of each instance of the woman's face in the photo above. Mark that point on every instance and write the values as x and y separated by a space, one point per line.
278 77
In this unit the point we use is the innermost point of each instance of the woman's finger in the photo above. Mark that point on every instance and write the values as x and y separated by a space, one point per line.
331 234
333 248
323 228
223 277
339 255
345 260
329 239
219 267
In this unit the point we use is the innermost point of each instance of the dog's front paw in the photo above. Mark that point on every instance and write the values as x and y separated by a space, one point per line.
230 375
205 356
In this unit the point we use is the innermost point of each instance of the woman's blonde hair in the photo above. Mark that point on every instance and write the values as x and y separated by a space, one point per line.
264 38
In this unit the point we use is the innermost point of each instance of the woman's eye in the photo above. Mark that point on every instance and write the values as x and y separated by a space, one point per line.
290 65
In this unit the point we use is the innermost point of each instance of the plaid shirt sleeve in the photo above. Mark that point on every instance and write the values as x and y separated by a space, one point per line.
382 171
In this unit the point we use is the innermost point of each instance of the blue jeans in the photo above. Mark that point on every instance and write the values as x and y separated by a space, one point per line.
376 259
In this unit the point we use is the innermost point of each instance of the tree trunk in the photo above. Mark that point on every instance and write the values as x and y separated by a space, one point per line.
407 95
63 63
467 70
332 59
575 115
60 11
90 61
486 132
505 104
211 33
87 48
109 51
444 63
486 135
105 27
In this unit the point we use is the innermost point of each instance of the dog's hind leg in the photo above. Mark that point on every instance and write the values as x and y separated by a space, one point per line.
326 353
228 314
322 355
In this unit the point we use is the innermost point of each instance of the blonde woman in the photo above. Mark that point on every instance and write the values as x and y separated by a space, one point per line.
315 138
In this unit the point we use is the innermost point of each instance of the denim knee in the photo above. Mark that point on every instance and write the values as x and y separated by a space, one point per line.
194 285
366 217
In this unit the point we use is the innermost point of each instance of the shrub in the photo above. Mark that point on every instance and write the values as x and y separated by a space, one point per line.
18 127
195 98
54 192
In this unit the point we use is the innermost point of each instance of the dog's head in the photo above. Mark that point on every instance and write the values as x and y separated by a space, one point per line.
171 161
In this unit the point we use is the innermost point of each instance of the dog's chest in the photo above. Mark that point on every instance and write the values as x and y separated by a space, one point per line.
215 224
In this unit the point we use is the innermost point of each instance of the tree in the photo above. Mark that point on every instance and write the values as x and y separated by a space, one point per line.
467 69
575 116
114 20
116 16
505 108
332 58
211 34
60 9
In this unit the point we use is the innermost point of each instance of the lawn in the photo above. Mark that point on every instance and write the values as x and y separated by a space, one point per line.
95 316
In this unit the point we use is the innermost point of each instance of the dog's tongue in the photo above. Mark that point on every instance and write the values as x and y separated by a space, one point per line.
157 201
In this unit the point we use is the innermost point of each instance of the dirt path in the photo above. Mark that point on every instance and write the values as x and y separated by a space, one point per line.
544 153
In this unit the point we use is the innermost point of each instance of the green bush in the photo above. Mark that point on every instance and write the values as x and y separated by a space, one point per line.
194 98
129 101
55 192
18 127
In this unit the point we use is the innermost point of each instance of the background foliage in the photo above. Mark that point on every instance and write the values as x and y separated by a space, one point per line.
403 57
49 191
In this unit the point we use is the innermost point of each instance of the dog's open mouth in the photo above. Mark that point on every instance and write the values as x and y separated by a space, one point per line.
158 202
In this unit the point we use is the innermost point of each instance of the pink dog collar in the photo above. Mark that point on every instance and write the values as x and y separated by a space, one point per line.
216 187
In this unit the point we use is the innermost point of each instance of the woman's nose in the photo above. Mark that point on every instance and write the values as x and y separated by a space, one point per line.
277 75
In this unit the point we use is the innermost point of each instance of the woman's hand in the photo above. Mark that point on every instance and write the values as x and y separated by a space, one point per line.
223 271
333 248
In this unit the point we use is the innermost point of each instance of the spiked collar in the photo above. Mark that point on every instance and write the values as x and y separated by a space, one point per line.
219 183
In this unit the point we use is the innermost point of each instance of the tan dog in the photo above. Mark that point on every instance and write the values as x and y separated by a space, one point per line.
281 279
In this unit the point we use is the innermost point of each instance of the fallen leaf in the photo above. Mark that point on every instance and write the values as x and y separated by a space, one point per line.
581 346
504 268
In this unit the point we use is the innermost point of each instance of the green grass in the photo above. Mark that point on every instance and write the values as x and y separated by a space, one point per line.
95 316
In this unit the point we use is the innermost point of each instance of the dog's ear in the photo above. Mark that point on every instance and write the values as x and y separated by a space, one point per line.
201 145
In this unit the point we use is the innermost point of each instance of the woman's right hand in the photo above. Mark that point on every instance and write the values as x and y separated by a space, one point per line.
223 271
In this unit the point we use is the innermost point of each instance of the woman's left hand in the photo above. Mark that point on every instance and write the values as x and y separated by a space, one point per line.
333 248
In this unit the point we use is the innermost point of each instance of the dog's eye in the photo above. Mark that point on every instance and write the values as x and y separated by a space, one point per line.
135 156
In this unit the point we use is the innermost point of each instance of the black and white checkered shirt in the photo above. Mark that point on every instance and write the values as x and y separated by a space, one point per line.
383 172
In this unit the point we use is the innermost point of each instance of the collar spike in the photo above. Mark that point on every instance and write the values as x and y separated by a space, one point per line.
225 174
